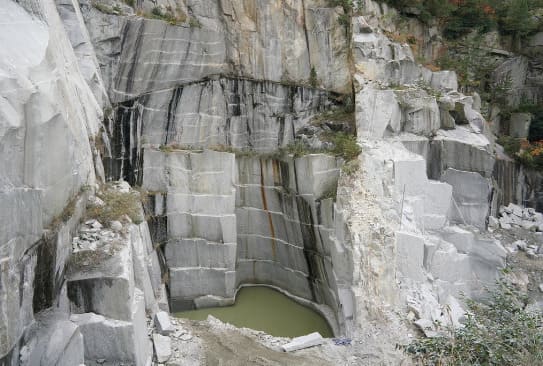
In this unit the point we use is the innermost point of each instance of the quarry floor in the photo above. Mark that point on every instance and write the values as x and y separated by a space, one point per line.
214 343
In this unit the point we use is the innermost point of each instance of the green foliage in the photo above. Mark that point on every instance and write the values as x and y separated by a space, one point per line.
350 167
474 66
298 149
131 3
330 193
515 18
498 332
511 145
345 145
347 5
167 15
106 9
460 17
345 18
343 115
470 15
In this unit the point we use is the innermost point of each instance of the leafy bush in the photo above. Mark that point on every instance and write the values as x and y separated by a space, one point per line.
167 15
467 16
498 332
514 18
106 9
345 145
511 145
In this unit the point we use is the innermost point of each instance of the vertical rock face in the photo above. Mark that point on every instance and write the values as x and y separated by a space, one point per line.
201 237
198 110
47 114
242 114
285 225
249 219
276 41
427 166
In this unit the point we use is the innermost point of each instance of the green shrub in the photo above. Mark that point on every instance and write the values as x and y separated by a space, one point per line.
471 15
515 18
345 145
167 15
510 145
116 10
498 332
299 149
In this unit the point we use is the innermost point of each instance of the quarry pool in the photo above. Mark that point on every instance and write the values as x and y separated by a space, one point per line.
262 308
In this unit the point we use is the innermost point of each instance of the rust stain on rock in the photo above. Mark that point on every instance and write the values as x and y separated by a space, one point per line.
265 206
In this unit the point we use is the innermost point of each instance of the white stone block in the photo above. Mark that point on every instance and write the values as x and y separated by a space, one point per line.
163 324
163 348
310 340
410 174
410 256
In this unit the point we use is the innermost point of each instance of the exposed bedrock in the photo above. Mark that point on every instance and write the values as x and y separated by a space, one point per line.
245 220
274 41
242 114
110 288
45 155
517 184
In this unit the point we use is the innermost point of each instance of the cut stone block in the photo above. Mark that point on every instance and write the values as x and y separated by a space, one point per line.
163 348
310 340
163 324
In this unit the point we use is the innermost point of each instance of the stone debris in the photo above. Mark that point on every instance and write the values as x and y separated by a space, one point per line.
163 324
310 340
163 347
116 225
93 236
94 201
516 216
122 186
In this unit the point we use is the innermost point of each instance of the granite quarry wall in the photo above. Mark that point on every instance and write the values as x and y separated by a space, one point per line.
194 114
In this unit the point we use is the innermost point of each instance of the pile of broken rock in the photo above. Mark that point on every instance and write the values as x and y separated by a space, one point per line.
516 216
92 235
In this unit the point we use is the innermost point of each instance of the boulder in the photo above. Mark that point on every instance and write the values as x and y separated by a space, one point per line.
163 324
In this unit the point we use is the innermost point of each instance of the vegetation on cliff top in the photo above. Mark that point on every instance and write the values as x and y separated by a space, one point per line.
459 17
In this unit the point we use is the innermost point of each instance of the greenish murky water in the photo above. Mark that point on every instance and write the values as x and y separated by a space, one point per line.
265 309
